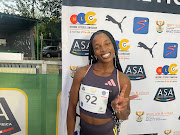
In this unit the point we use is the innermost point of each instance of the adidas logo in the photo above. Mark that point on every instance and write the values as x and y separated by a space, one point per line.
111 83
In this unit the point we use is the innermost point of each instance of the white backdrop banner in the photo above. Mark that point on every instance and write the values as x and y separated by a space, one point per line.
147 36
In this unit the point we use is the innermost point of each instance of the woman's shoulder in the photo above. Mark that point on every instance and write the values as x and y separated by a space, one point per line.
83 69
123 78
80 73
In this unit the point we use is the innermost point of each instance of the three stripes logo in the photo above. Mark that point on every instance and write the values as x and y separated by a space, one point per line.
111 83
8 123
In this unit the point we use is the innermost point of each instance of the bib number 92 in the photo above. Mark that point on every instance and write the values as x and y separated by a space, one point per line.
91 99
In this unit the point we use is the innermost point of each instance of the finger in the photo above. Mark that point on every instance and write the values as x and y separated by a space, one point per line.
123 91
122 106
133 97
124 102
114 103
116 100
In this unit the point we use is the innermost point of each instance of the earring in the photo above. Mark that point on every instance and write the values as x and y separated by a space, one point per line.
95 57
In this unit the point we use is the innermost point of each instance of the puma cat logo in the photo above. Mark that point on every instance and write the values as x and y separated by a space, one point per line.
140 44
109 18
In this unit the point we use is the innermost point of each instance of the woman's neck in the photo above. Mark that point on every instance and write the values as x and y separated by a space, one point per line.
104 67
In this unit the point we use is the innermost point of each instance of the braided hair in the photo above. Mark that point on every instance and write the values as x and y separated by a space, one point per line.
93 59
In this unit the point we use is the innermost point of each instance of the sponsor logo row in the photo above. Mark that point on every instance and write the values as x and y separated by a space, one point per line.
137 72
85 22
166 73
80 47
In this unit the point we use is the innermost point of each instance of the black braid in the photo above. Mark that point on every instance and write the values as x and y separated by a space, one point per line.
92 58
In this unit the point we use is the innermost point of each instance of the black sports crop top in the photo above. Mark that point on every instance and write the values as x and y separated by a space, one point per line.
110 83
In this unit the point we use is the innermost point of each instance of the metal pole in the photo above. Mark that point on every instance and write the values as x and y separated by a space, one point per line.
41 37
37 41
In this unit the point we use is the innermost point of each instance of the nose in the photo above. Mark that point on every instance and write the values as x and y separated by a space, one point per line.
102 49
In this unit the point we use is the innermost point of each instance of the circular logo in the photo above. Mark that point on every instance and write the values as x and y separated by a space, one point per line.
103 93
159 70
165 69
73 19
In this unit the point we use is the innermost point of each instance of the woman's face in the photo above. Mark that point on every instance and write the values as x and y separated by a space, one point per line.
103 48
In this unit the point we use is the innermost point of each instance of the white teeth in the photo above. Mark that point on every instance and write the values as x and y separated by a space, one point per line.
106 55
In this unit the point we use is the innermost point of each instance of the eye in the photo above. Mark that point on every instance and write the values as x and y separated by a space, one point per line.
107 43
96 47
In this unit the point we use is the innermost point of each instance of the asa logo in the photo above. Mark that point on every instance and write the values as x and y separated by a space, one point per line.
73 70
160 26
139 116
141 25
8 123
123 45
135 72
167 69
83 18
80 47
167 132
165 95
170 50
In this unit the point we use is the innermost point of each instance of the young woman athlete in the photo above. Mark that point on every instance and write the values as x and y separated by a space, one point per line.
101 89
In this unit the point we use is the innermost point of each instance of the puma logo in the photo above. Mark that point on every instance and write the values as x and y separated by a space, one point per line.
140 44
109 18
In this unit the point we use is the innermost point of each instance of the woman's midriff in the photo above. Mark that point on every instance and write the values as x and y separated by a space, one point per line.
94 121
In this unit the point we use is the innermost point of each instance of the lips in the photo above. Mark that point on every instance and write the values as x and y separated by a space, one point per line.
105 56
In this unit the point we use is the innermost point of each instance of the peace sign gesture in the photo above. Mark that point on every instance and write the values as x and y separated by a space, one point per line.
121 103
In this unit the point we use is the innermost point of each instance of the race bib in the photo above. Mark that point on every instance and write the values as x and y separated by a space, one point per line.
93 99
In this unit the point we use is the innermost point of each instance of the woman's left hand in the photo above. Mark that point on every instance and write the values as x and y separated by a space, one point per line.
121 102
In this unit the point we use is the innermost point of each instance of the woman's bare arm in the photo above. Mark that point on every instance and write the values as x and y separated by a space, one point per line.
122 103
73 99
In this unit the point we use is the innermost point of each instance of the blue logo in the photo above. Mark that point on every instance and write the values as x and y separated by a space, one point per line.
141 25
170 50
81 103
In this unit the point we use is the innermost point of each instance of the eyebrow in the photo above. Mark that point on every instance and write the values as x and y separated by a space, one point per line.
104 41
95 44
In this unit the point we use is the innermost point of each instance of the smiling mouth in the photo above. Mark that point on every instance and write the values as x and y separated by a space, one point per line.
107 55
